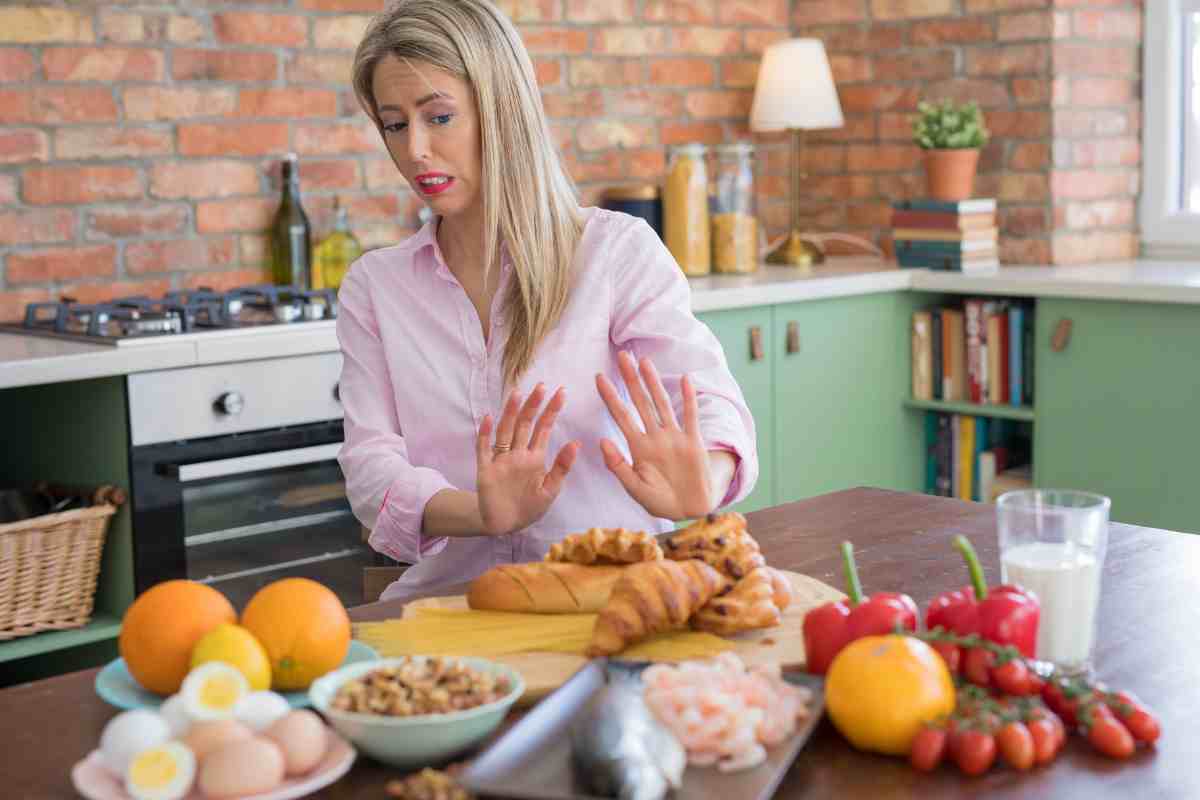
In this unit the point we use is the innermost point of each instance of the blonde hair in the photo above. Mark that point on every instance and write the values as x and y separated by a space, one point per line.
529 202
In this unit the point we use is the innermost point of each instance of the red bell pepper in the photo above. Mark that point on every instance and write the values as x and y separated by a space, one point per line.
829 628
1007 614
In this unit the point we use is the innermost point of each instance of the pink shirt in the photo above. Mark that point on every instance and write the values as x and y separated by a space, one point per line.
418 379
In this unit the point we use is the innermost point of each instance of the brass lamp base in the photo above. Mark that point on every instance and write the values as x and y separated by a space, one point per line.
796 251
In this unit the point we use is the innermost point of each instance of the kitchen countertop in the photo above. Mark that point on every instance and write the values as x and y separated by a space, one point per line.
27 360
1145 644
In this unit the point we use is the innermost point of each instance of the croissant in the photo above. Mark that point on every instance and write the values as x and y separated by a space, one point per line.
721 541
749 605
606 546
652 597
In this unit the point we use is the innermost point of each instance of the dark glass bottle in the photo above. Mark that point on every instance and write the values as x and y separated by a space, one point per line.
291 246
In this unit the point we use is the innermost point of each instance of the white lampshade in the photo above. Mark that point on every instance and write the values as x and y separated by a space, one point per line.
795 88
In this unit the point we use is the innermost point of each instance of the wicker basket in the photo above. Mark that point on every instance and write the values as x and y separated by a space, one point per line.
48 570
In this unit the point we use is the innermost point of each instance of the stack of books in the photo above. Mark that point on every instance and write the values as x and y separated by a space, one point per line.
958 236
975 458
979 353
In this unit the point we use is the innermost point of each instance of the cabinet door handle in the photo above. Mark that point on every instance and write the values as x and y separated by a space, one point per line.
756 343
1062 335
793 337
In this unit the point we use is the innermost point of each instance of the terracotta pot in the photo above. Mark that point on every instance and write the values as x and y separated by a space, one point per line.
950 174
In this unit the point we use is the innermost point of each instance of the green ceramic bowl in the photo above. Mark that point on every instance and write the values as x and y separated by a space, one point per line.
417 741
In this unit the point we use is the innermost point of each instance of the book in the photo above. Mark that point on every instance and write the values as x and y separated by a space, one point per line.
955 454
1015 358
1027 368
931 453
981 445
987 476
997 358
941 248
966 452
935 318
942 220
945 455
973 320
973 206
949 263
922 356
931 235
1011 480
954 356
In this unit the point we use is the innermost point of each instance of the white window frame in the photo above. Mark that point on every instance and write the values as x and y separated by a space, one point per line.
1168 229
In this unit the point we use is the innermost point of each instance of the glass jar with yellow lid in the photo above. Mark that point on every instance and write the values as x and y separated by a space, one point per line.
734 224
685 209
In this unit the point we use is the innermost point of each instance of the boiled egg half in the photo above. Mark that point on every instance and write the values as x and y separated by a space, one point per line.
211 690
165 772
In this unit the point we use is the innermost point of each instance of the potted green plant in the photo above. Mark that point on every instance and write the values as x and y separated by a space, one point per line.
951 135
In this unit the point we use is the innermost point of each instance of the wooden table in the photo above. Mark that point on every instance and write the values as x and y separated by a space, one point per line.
1149 643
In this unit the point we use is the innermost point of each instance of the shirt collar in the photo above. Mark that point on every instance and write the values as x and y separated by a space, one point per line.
426 240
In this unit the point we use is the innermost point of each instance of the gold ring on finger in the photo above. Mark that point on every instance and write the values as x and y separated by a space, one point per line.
501 448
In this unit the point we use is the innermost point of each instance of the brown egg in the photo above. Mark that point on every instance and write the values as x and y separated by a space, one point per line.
302 737
206 737
249 766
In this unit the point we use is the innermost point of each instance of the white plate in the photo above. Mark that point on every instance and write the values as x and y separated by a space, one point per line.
94 781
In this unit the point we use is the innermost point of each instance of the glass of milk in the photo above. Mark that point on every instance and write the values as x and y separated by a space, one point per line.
1052 541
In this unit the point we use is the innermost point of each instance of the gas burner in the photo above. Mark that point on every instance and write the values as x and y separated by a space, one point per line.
182 311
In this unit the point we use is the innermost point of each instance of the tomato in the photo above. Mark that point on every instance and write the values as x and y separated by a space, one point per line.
975 753
1108 736
928 749
977 666
1011 677
1060 731
1034 684
1060 704
1143 725
1016 746
950 653
1045 740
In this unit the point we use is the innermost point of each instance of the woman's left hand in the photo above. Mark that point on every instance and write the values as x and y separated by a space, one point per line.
669 476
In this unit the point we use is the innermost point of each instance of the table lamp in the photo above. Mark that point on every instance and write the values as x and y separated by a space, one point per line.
795 92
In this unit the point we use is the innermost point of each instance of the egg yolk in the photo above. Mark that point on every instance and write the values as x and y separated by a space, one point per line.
153 769
219 692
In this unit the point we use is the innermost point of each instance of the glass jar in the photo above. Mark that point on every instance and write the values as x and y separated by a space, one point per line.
685 209
734 224
644 200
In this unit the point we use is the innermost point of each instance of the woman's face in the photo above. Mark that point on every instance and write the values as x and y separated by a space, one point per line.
431 128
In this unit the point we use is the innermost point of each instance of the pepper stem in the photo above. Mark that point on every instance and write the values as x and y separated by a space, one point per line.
962 545
853 586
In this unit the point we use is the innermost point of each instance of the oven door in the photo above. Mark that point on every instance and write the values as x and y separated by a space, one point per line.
240 511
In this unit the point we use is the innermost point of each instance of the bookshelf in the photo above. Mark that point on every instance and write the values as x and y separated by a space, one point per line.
1020 413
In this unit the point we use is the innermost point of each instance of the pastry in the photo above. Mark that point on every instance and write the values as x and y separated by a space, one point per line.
606 546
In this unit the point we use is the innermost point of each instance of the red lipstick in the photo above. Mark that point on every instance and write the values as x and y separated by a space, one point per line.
431 183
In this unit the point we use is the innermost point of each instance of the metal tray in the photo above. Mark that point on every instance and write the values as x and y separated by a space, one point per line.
533 758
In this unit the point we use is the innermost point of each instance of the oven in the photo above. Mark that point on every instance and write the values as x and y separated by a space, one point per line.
234 478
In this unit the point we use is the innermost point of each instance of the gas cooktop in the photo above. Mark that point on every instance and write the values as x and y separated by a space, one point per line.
139 318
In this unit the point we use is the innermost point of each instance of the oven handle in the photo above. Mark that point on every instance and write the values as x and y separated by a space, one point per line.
223 467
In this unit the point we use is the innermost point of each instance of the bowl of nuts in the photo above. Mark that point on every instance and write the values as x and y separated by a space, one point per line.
417 711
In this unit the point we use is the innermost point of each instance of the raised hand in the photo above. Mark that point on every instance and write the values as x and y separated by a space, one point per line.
669 476
512 482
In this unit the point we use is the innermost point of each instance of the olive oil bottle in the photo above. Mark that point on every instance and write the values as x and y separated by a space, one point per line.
336 252
291 234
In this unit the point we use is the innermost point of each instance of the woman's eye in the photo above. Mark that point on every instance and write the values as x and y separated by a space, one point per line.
441 119
395 127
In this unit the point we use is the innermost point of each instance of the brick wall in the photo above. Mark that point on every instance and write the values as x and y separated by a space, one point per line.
140 142
1059 83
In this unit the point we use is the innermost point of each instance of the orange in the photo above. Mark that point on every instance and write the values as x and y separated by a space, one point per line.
304 628
162 627
880 689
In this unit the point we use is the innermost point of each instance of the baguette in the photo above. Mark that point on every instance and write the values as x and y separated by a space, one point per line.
544 587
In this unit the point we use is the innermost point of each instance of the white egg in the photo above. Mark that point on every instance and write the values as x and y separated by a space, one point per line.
176 715
128 733
260 710
211 690
165 772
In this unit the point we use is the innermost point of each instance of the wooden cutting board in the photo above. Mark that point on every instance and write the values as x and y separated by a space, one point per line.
545 672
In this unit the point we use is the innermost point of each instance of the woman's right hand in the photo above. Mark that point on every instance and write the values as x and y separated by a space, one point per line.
513 485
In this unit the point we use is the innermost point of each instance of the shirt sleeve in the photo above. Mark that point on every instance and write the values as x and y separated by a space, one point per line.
387 492
652 317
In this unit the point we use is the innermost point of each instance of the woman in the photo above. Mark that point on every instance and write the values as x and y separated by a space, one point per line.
491 341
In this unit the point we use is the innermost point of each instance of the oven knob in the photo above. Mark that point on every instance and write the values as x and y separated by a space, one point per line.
230 404
337 392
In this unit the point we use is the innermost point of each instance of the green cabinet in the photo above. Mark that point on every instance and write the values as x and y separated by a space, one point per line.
840 367
744 335
1117 405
